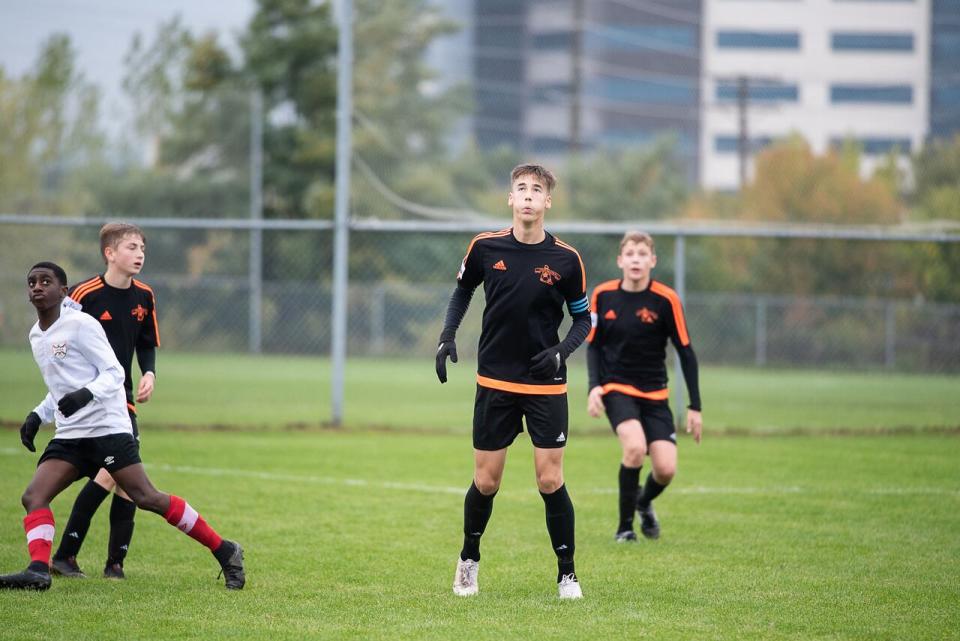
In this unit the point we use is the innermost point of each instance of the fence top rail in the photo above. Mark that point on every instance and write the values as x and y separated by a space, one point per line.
937 232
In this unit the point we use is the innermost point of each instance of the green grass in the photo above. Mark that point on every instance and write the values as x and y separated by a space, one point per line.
276 391
353 535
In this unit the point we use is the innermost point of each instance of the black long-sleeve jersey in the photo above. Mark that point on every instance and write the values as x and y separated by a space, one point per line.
129 318
525 286
628 342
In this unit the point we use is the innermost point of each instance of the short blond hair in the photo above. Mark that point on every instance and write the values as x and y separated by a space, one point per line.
539 171
640 238
112 233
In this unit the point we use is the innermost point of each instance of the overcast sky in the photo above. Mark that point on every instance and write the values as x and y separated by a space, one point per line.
101 31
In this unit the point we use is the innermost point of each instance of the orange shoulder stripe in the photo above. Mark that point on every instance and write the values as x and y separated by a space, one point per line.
583 270
606 286
142 285
85 288
678 318
486 234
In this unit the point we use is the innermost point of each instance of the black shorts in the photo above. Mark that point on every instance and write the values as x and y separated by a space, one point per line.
655 417
497 419
133 422
113 452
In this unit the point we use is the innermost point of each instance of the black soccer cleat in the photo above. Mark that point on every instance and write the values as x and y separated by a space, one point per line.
67 567
234 577
625 536
113 571
649 525
26 580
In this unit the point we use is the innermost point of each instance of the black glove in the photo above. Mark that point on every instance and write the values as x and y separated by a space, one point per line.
445 348
73 401
28 431
547 363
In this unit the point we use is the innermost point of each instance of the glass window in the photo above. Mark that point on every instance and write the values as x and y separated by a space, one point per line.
758 40
554 40
877 146
877 94
766 92
854 41
731 144
669 38
681 91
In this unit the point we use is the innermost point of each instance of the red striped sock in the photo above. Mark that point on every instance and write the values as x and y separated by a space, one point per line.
39 528
185 518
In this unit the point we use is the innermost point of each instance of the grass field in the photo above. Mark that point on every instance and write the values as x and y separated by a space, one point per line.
353 533
275 392
354 536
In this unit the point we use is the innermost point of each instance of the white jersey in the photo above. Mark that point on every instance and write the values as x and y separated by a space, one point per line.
74 353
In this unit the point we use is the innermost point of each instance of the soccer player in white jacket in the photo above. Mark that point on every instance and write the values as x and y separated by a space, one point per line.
87 402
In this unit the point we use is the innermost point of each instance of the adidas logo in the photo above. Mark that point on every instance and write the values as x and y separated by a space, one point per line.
561 438
105 316
74 535
610 315
561 548
500 265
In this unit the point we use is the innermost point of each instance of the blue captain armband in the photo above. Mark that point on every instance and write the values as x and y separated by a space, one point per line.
579 306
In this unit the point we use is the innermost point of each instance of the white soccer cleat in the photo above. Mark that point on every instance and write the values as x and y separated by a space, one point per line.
465 580
569 587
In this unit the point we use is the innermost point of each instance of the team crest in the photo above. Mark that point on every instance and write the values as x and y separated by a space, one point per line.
547 275
59 350
140 312
646 316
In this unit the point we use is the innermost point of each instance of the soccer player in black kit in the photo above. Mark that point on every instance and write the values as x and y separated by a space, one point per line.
126 309
527 276
633 317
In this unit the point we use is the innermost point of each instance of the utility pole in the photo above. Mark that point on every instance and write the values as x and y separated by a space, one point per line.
341 227
743 138
576 75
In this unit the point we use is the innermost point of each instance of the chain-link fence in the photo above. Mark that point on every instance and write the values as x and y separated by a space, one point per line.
401 281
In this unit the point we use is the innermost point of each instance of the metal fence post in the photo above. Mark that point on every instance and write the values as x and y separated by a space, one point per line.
890 347
761 337
378 319
256 215
680 284
341 238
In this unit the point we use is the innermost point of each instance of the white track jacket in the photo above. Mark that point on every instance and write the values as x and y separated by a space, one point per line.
74 353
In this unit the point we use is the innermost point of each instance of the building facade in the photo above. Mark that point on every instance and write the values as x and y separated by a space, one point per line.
830 71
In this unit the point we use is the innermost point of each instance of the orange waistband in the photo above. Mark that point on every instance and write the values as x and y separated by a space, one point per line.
630 390
521 388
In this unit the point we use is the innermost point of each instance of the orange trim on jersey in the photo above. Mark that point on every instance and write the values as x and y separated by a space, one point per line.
678 319
153 313
86 287
520 388
583 270
486 234
142 285
131 408
630 390
606 286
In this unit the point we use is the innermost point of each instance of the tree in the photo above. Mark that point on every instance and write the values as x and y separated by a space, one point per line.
793 185
936 171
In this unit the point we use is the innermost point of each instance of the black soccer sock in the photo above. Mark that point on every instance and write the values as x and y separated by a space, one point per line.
629 484
560 525
122 513
88 500
651 490
477 508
